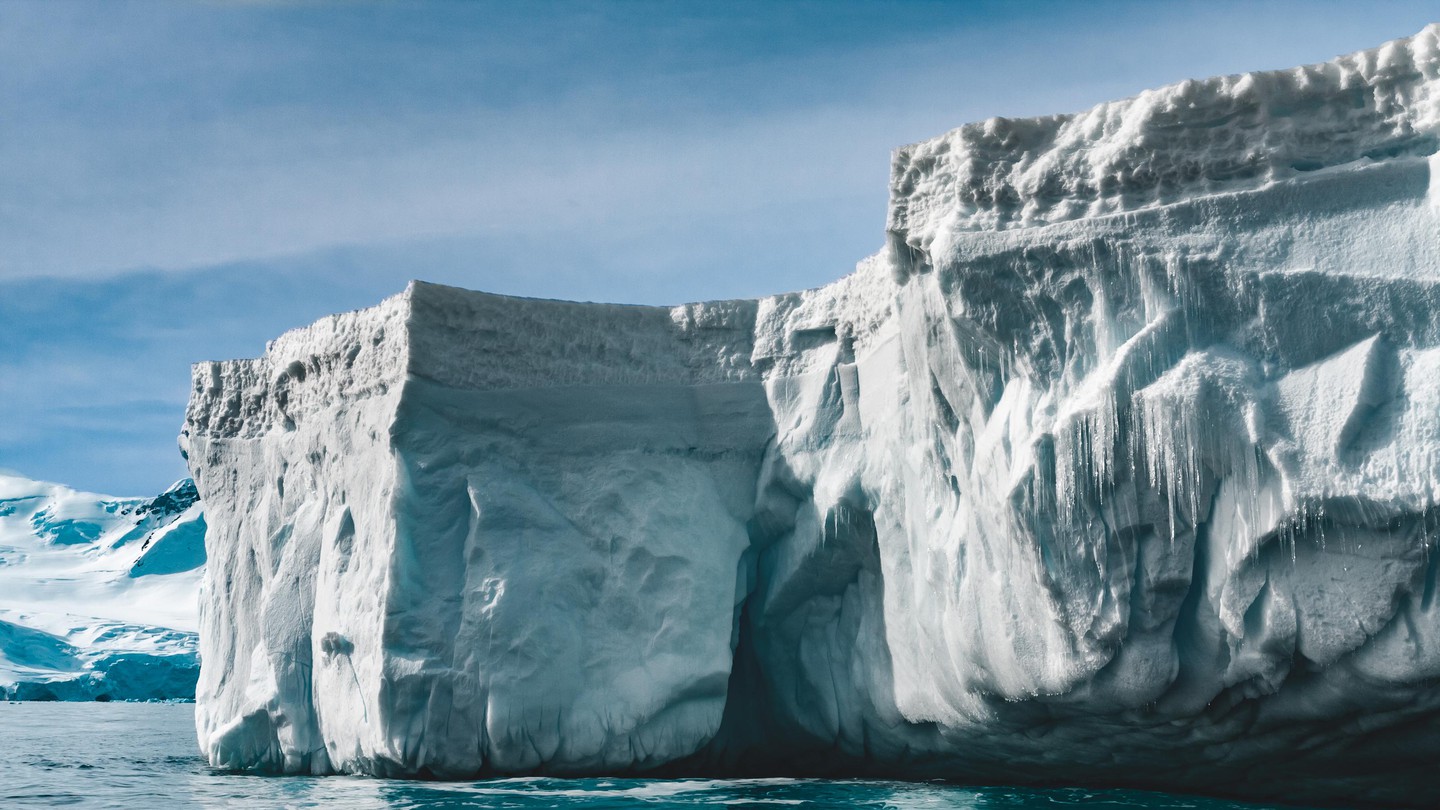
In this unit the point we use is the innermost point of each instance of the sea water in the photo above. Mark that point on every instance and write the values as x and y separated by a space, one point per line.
142 756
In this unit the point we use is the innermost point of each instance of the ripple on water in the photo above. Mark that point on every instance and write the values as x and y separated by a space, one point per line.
142 756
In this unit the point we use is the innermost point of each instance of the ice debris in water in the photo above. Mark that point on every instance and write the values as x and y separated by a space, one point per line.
1118 465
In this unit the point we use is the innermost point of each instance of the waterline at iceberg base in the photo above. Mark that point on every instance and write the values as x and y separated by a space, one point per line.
1119 465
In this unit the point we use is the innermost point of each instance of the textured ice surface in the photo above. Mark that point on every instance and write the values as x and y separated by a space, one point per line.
97 594
1120 464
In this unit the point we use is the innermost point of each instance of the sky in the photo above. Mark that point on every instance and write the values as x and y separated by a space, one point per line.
182 182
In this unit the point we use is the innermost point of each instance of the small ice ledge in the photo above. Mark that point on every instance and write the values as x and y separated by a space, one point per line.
1177 142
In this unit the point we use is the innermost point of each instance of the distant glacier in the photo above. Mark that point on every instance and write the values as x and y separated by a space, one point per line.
1118 465
98 595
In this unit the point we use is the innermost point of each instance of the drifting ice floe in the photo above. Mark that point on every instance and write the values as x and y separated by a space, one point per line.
1120 464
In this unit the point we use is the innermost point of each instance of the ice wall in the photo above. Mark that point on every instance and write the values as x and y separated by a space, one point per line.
461 531
1120 465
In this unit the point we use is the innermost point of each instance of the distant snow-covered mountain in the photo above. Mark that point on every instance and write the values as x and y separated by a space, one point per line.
98 595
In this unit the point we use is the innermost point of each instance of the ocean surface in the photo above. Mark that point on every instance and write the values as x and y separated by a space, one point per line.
143 757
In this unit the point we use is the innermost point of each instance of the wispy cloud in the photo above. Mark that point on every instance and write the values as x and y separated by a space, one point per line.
174 136
181 182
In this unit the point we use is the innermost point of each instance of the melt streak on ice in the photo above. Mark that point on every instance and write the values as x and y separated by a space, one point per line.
1119 464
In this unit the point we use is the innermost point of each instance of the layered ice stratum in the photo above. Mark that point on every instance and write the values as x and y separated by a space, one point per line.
1120 464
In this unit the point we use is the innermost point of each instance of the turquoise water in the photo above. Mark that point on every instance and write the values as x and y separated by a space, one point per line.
143 756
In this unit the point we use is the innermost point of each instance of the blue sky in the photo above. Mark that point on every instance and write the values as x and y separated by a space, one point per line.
182 182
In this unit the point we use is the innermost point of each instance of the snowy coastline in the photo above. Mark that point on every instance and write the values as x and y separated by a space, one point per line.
100 593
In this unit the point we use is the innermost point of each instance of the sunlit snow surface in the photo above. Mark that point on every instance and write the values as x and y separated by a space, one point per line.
1119 465
98 594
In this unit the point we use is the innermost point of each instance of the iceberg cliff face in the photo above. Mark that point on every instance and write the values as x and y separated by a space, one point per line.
1120 465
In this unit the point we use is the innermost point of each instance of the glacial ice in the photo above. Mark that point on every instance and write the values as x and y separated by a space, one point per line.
1120 464
98 594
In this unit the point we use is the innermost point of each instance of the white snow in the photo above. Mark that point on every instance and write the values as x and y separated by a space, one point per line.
98 594
1120 464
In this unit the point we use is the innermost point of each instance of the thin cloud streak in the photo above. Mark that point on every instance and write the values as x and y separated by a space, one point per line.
246 162
184 182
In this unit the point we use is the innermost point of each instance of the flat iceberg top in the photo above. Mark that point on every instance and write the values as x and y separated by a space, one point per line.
1175 142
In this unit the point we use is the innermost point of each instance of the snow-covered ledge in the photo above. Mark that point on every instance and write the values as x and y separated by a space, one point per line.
1120 465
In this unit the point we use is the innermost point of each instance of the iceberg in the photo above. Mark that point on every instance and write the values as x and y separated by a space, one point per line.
1118 465
99 593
